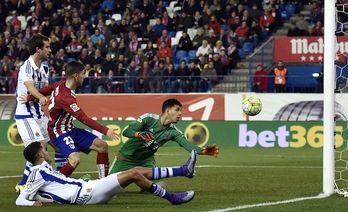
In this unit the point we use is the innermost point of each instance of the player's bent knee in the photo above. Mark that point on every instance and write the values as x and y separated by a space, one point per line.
74 159
99 145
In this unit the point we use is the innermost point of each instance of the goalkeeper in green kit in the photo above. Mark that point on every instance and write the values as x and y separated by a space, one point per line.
151 131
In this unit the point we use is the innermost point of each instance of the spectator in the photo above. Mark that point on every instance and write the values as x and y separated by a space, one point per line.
225 60
113 27
109 82
123 50
61 59
266 22
220 14
97 35
233 54
164 38
260 79
136 25
5 77
218 47
198 38
6 61
98 80
315 13
293 31
278 21
197 20
149 51
132 74
164 51
280 73
155 78
168 79
108 64
74 48
180 82
318 29
166 20
119 75
302 24
185 42
120 6
215 25
184 22
142 83
203 49
134 45
140 57
147 8
220 69
84 57
193 77
158 27
246 17
97 58
211 38
149 35
160 9
112 49
255 33
107 7
208 78
242 32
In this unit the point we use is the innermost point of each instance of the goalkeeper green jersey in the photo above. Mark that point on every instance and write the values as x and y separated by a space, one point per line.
136 149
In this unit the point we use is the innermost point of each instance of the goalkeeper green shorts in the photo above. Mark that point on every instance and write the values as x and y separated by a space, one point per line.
120 164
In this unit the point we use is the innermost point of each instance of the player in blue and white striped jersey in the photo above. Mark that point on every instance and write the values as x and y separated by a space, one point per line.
47 185
30 118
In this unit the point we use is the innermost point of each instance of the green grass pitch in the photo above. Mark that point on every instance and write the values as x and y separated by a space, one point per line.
239 178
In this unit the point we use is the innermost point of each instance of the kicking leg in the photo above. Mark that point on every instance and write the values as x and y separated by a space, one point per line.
188 169
102 156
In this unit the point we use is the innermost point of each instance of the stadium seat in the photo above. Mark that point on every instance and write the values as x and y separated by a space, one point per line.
191 32
192 54
181 54
172 33
107 22
117 16
290 9
284 15
166 3
175 41
8 18
178 35
172 4
152 22
23 22
247 47
241 53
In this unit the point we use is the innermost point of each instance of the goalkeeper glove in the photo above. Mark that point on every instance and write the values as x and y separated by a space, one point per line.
145 136
211 150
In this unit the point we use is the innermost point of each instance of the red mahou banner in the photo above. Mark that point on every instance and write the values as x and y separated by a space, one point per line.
306 49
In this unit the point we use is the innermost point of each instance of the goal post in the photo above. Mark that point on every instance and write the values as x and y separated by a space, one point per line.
329 96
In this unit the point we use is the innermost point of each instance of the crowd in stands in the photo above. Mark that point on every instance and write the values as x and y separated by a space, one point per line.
139 46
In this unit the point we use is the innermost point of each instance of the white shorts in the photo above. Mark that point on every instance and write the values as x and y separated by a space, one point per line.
33 130
100 191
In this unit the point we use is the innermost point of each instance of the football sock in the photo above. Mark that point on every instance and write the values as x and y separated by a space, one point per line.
160 192
67 170
25 173
59 160
103 164
160 173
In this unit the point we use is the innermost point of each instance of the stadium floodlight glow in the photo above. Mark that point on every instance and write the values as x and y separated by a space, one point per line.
329 96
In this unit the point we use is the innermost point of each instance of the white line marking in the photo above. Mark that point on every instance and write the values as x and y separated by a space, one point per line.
320 196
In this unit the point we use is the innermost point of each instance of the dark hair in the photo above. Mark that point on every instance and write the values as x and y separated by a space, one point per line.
169 103
73 67
30 152
36 41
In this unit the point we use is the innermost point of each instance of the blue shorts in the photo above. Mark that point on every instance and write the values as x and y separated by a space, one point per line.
76 140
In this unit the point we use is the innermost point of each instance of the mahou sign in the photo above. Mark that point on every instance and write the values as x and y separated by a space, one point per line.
306 49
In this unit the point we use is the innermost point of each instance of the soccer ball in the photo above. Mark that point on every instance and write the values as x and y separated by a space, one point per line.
13 135
252 105
197 133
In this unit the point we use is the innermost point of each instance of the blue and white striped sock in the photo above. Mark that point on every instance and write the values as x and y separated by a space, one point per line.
59 160
25 173
160 173
160 192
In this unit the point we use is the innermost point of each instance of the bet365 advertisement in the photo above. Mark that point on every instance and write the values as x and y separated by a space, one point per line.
246 134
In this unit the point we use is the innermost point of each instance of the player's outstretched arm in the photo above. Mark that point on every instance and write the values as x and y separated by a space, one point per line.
23 200
211 150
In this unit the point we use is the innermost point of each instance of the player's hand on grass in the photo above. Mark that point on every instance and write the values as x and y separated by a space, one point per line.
112 134
145 136
37 203
211 150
